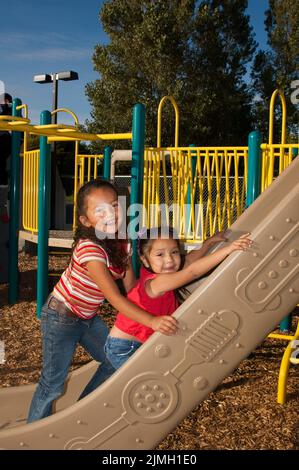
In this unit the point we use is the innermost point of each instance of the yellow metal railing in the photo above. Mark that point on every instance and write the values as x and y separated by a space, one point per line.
85 167
203 189
88 167
275 159
30 190
285 362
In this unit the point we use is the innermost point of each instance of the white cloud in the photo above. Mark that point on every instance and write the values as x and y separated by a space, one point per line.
17 38
51 46
54 53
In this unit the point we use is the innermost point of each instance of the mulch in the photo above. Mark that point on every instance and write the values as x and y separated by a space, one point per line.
241 414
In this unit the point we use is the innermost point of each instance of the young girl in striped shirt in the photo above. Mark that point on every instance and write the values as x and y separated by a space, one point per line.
71 314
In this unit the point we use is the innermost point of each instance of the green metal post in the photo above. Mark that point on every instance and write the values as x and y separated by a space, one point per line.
14 204
107 162
138 131
286 324
254 187
254 167
44 190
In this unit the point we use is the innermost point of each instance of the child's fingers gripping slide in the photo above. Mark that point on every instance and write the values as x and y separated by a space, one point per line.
242 243
165 324
217 237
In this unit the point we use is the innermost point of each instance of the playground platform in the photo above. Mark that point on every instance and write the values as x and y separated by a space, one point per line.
57 238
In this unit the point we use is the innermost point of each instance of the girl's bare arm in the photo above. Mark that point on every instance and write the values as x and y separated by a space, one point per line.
129 280
196 254
101 276
166 282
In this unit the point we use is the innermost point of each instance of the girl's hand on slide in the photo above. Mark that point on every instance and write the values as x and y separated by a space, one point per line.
243 243
218 237
166 324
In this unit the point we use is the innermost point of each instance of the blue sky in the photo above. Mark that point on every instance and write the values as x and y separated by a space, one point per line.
46 36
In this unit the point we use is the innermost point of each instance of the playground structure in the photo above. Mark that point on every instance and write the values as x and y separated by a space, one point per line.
259 291
143 401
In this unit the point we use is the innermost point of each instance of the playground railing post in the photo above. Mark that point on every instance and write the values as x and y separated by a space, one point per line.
107 162
254 188
44 189
254 167
188 222
14 212
138 131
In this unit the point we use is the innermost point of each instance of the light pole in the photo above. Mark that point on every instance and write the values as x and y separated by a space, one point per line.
54 78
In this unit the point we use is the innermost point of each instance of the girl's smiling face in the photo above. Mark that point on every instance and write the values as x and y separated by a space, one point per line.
102 211
163 256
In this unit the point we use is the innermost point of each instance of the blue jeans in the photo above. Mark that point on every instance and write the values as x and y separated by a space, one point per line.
119 350
61 334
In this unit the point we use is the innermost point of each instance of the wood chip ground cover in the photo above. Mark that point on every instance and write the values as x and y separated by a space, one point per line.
241 414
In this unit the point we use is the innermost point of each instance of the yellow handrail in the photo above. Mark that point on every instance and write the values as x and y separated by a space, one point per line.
66 110
56 130
25 107
285 363
271 116
270 150
177 118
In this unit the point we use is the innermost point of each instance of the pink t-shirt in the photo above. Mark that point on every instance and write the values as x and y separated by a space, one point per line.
166 304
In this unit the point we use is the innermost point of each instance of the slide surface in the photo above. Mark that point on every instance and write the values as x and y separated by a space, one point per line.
222 321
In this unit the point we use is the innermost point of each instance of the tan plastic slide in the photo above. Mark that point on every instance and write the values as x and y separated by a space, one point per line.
222 321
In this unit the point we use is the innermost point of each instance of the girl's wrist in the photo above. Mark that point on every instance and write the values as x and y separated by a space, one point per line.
148 319
208 243
227 250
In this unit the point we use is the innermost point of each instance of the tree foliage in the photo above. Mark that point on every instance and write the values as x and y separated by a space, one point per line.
196 51
279 66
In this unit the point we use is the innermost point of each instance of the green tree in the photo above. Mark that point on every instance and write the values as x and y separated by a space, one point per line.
195 51
279 66
222 44
263 85
143 61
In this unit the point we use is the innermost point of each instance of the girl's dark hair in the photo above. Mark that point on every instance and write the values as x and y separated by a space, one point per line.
145 240
114 248
147 236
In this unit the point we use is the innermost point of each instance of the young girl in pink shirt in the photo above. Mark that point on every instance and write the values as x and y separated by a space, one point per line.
160 276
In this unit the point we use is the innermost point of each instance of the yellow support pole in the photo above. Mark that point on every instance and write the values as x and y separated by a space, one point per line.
177 119
276 93
269 173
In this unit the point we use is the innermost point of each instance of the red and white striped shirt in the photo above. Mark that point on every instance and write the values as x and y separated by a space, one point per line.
75 288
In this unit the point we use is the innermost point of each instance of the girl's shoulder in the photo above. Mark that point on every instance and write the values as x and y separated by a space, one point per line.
145 275
127 247
85 243
86 248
